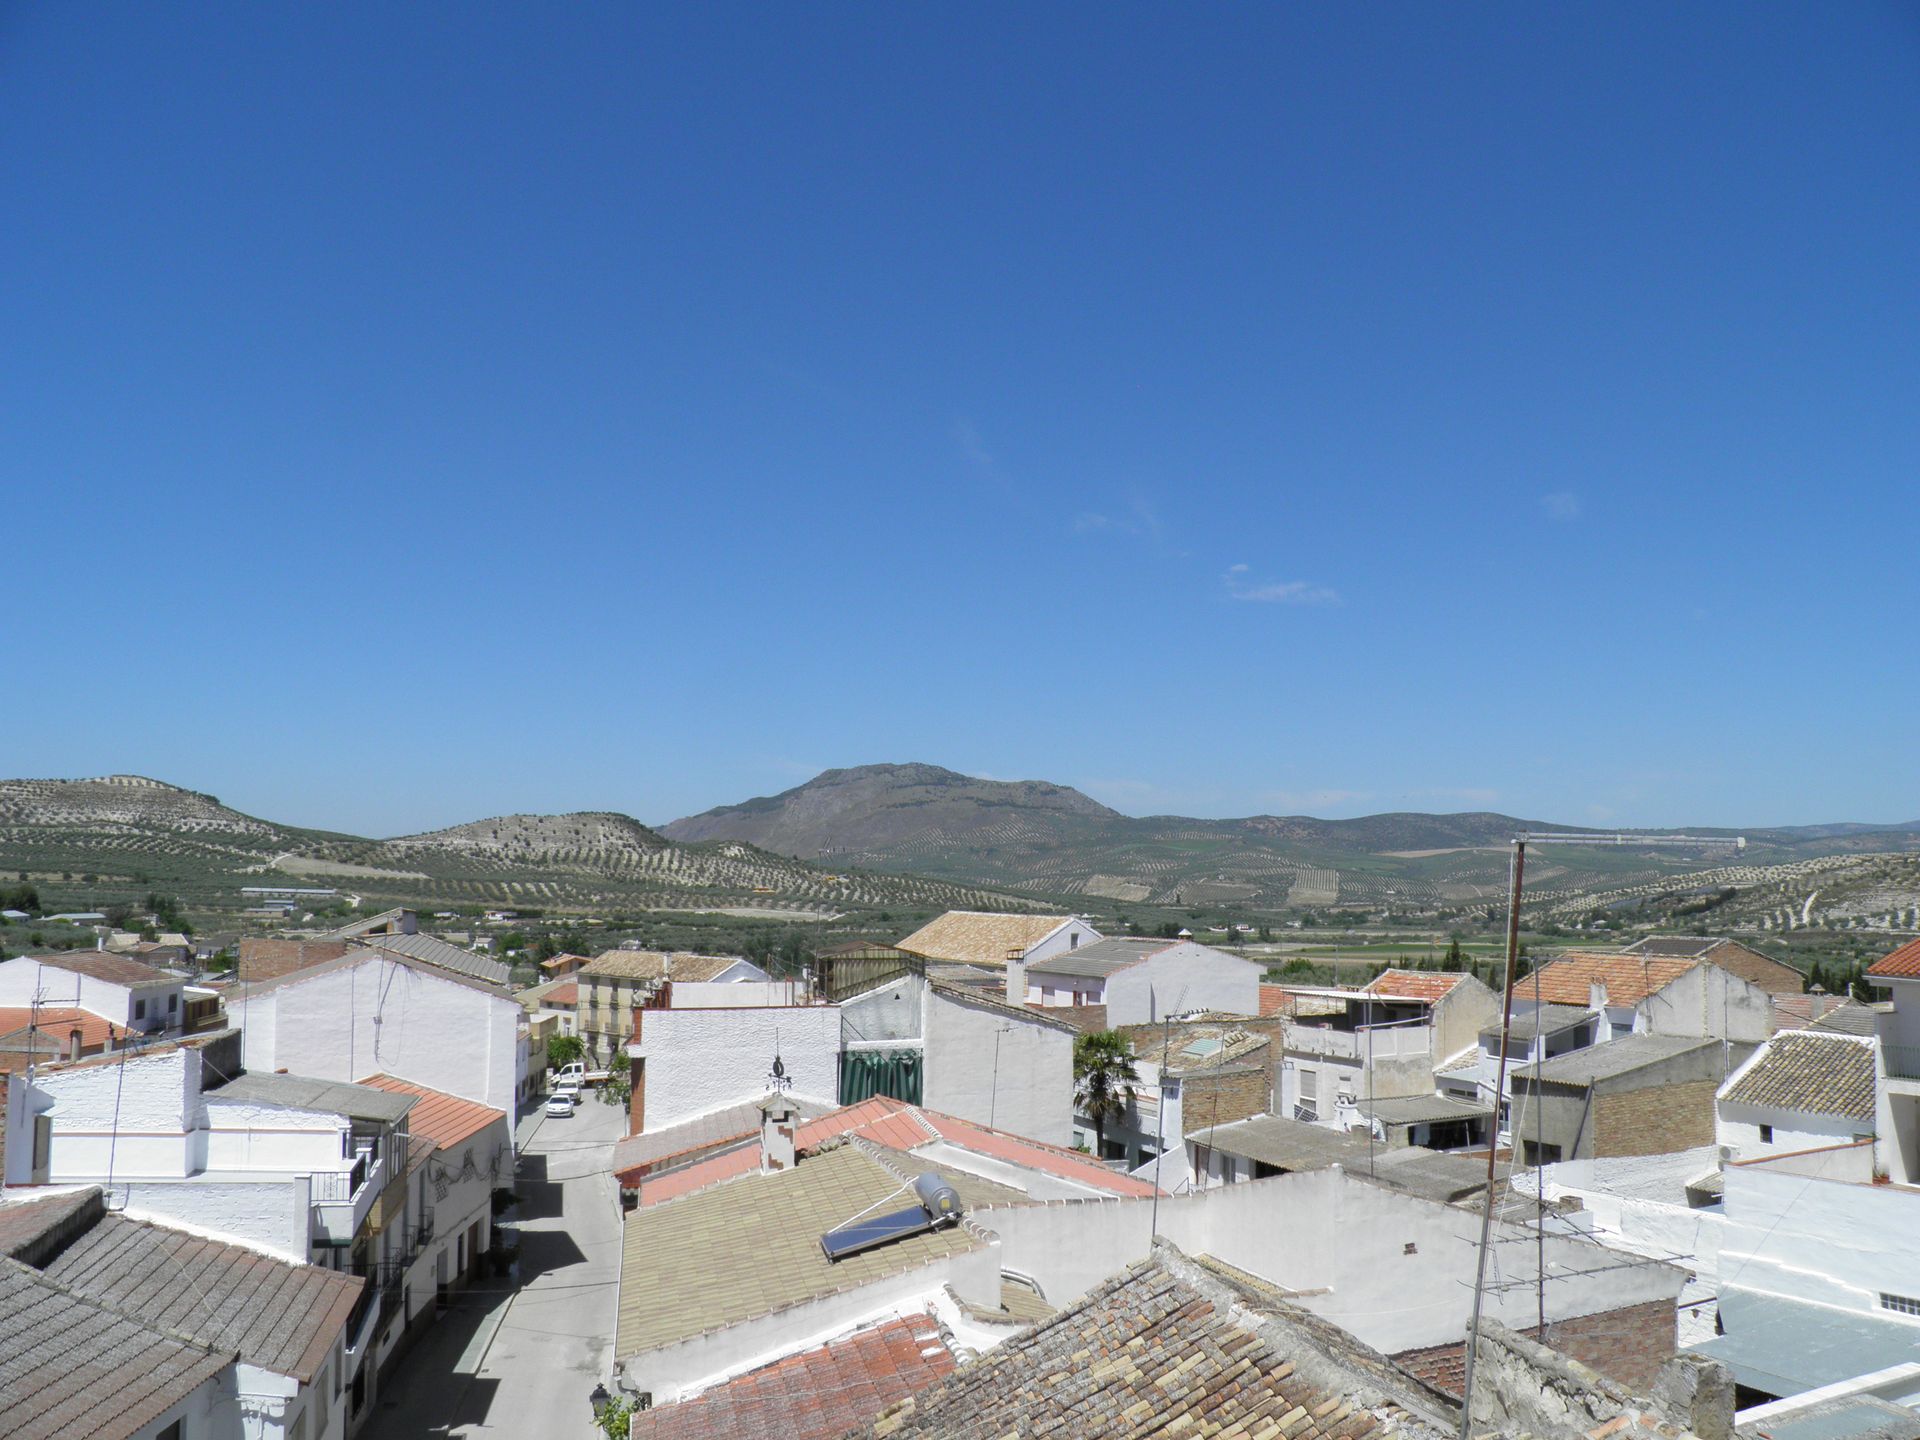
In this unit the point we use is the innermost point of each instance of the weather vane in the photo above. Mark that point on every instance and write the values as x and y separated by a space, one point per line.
778 1080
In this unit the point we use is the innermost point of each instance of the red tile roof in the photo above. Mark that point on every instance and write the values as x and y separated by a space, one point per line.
1902 964
1629 978
898 1126
56 1025
814 1395
1425 985
445 1119
107 966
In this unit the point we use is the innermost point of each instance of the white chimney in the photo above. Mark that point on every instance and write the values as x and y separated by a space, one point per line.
1016 982
779 1126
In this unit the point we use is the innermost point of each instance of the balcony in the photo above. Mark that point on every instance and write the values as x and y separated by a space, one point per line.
1382 1042
1903 1061
342 1198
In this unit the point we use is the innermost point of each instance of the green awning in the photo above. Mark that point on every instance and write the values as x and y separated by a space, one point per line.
866 1073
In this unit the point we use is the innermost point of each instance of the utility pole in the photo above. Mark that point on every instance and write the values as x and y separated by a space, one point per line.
1517 867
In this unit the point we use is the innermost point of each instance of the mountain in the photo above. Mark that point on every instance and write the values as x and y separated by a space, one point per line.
1054 840
882 807
88 842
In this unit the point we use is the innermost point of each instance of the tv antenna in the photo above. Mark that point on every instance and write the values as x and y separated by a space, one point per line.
1517 866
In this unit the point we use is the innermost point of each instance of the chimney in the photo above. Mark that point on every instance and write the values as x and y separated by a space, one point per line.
73 1043
1596 995
1016 982
779 1124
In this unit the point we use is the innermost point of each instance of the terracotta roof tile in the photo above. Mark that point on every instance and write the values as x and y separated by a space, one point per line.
815 1395
55 1026
1811 1074
975 937
686 1271
445 1119
105 965
1629 978
1142 1354
1426 985
277 1314
895 1125
74 1367
1902 964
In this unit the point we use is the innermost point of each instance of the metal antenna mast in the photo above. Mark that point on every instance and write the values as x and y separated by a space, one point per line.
1517 871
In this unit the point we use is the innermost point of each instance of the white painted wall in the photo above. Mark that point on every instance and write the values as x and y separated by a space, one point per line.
269 1213
733 994
1324 1230
380 1016
1069 936
1827 1241
1707 1000
1028 1091
1185 977
701 1060
24 979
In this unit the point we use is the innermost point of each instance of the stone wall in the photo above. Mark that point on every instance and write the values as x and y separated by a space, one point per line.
1525 1387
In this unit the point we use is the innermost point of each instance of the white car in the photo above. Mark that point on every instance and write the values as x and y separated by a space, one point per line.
560 1104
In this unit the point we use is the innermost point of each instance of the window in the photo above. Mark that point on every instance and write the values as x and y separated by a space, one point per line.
1537 1154
1904 1304
172 1432
1766 1134
139 1009
173 1004
1073 940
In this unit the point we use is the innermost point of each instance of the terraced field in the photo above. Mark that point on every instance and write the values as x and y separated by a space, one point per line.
92 841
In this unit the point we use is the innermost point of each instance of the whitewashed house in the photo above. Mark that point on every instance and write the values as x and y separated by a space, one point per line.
1142 980
961 1050
990 940
311 1171
127 992
178 1335
376 1012
1802 1090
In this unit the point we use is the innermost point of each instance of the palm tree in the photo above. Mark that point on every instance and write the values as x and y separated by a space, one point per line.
1103 1078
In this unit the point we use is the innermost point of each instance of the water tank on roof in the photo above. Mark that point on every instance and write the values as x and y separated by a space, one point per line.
941 1200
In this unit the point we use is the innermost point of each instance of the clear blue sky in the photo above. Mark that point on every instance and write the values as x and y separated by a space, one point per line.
415 413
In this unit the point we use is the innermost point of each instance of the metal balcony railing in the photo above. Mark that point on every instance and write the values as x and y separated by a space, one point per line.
332 1187
1903 1061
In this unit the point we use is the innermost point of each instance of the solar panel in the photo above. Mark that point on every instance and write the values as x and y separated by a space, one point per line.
866 1234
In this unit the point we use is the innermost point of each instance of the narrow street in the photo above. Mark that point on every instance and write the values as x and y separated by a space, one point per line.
521 1360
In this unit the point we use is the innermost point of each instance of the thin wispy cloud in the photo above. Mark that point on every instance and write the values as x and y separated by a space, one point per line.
1562 507
1241 584
1135 517
980 459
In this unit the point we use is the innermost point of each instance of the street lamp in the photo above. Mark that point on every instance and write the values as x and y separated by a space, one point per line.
599 1399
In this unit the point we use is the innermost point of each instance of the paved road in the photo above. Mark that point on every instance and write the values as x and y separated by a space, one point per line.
521 1360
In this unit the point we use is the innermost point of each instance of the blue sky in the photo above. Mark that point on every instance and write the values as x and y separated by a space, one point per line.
414 414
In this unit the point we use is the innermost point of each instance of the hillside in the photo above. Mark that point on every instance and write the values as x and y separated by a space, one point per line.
1052 839
874 808
83 842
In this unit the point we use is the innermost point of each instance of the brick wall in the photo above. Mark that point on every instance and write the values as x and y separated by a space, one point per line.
1769 974
1219 1098
1655 1121
265 959
1628 1346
